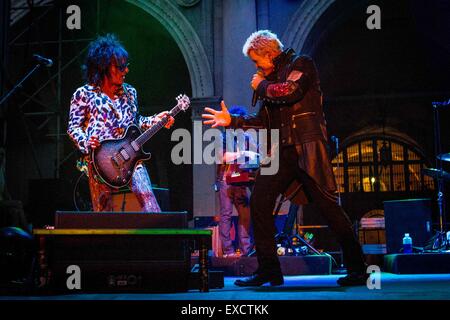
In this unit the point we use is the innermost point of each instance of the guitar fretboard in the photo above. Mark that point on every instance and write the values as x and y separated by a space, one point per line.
144 137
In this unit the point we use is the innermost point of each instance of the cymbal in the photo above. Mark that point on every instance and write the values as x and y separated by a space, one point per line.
444 157
435 173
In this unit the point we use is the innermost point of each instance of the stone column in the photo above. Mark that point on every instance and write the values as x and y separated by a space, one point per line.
203 175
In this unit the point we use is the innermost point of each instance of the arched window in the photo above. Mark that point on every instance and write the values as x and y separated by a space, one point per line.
380 164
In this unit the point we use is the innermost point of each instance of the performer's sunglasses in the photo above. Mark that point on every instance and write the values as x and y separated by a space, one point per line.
122 67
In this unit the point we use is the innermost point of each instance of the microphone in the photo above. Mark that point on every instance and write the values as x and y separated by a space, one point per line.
254 98
43 61
255 95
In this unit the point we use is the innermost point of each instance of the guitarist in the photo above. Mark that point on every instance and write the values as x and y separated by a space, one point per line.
103 109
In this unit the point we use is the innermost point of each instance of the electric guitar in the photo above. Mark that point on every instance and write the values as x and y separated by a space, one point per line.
115 159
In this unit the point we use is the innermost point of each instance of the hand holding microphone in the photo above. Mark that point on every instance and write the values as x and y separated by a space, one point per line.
256 80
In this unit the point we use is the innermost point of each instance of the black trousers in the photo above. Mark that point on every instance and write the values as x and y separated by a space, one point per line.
266 190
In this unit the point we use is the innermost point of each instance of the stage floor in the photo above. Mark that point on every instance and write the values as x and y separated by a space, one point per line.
322 287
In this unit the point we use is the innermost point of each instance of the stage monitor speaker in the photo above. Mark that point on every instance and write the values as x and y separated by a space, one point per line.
411 216
120 263
120 220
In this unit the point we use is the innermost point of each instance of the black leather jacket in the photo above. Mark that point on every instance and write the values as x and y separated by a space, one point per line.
292 102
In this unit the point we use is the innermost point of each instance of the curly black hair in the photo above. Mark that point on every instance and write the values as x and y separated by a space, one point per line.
101 53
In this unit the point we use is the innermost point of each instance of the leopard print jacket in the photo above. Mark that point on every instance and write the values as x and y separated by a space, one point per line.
93 113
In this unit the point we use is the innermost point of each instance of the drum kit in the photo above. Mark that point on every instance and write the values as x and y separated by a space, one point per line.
441 240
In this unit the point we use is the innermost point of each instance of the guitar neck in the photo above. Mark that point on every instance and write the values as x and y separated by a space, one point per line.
144 137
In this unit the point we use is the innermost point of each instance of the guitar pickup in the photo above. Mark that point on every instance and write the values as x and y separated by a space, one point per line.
115 162
135 146
124 155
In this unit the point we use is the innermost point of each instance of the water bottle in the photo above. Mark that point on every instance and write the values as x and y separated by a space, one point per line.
407 243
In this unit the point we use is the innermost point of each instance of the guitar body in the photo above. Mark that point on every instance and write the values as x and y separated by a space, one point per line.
115 159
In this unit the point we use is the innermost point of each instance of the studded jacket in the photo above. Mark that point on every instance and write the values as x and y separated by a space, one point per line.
292 102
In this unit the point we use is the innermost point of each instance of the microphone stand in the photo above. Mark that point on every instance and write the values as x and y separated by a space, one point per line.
18 85
337 155
341 268
9 94
124 201
440 239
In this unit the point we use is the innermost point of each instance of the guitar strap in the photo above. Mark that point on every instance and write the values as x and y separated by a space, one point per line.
126 92
128 95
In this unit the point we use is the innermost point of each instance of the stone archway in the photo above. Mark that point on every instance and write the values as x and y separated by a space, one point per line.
187 40
303 21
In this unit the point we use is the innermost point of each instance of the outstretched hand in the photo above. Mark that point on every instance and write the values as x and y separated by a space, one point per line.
217 118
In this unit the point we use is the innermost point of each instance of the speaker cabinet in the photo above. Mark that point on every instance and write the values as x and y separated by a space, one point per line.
120 263
129 261
411 216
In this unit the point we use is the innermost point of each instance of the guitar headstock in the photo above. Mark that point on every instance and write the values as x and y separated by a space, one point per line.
183 102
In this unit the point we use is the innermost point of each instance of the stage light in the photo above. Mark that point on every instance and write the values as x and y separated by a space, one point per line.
16 254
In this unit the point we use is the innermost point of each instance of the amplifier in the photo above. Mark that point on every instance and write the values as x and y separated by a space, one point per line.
120 260
120 220
120 263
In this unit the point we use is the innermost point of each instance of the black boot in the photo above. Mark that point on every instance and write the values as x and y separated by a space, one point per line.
260 278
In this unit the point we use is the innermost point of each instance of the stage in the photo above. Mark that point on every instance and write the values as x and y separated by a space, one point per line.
350 101
322 287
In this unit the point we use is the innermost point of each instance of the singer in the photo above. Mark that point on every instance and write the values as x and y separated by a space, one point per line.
102 109
288 85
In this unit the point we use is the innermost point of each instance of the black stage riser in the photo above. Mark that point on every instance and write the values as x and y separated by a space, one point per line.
423 263
121 263
128 276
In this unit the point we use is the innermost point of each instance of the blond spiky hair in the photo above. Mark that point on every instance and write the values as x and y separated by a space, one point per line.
262 41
